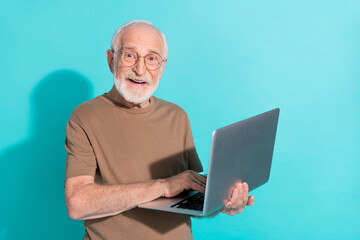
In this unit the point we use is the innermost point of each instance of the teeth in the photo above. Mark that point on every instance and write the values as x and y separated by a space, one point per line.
137 81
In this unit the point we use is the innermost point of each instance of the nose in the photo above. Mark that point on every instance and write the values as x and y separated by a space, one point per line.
140 68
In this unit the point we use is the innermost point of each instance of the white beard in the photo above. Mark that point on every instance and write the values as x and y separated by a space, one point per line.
137 94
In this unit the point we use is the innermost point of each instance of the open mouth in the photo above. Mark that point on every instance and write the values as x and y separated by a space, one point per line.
139 82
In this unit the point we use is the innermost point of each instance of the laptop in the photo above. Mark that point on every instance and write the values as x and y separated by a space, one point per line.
241 151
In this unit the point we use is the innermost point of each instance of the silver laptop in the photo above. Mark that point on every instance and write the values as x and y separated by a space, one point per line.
241 151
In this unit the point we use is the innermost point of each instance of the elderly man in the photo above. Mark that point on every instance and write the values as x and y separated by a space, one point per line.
127 147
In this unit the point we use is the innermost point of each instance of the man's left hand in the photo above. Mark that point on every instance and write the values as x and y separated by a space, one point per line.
239 199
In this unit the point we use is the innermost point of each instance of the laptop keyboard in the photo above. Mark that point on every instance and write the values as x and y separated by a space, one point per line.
194 202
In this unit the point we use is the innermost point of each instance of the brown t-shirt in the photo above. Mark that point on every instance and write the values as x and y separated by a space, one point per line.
117 144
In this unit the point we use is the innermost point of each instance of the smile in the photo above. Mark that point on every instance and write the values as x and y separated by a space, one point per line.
136 81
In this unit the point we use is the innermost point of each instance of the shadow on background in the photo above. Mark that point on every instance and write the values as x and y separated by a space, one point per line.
33 169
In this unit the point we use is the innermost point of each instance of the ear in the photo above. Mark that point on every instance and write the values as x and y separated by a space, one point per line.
161 70
110 58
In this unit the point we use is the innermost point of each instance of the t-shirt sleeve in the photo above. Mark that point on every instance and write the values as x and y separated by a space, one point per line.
80 159
190 150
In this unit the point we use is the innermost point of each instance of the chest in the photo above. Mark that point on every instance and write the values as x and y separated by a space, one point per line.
130 149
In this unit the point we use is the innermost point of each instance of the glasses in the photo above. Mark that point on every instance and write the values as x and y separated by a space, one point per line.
129 58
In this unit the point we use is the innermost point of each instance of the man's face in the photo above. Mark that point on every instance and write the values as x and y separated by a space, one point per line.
137 83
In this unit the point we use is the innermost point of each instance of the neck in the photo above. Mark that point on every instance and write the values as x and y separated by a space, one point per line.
115 95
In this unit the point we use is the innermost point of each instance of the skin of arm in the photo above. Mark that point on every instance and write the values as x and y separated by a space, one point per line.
86 199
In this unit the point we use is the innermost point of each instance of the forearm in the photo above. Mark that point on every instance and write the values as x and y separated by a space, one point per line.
95 201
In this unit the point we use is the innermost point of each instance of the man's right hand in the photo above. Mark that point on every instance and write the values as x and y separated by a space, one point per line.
87 200
188 180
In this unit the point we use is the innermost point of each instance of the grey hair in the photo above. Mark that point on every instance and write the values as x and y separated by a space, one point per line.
118 32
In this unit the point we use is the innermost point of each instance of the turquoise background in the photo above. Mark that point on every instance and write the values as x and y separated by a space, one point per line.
228 60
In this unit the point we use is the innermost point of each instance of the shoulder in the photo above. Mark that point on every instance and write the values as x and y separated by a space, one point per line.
87 109
169 107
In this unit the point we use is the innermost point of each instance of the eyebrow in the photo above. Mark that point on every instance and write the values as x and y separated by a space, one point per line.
133 47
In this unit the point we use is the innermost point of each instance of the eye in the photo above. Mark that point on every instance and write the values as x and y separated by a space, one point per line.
152 58
129 55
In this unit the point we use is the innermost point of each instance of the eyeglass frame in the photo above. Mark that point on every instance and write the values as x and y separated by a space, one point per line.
138 57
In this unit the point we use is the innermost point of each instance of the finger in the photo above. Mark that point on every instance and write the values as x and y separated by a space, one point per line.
200 177
227 205
227 208
234 195
196 180
246 193
194 174
251 201
240 198
197 185
233 203
237 187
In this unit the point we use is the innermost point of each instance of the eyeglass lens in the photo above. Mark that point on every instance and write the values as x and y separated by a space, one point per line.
129 58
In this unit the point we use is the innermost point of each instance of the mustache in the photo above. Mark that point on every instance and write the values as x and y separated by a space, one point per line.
132 75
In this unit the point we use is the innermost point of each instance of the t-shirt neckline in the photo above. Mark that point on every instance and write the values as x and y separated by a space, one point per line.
121 106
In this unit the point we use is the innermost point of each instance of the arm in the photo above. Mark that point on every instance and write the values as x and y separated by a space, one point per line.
87 200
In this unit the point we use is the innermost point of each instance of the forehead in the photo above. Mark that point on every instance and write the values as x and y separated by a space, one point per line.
142 38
